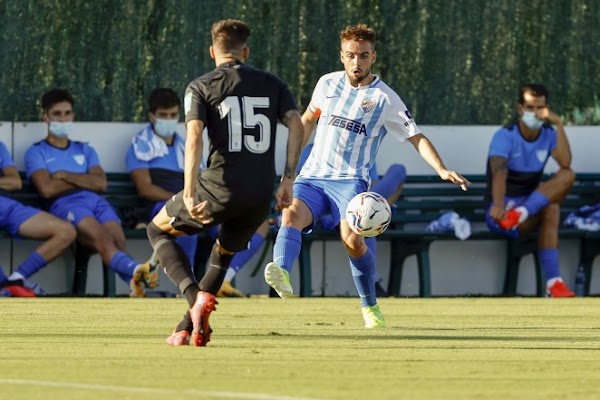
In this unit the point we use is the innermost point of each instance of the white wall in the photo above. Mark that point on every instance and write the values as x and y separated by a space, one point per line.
457 268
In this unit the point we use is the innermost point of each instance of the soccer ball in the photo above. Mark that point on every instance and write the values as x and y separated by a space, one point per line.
368 214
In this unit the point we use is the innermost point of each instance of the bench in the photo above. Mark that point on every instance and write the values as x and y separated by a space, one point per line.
425 198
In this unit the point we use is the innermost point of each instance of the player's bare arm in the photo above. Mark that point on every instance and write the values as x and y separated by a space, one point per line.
562 152
95 180
10 179
284 193
430 154
499 171
309 121
146 190
192 158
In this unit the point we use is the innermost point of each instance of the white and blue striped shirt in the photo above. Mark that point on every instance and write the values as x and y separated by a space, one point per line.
352 123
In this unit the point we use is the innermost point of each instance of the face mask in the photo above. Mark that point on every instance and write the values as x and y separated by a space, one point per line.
61 129
531 121
165 127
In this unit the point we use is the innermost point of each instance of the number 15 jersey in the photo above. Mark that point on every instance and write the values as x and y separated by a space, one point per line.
240 107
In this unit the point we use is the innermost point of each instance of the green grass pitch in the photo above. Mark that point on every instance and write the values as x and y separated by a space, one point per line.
261 348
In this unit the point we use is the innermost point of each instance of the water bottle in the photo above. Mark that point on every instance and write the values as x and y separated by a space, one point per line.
580 281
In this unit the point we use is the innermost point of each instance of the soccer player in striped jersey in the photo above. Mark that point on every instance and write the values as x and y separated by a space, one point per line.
352 110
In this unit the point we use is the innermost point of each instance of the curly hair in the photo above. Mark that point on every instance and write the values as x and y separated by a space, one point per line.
358 32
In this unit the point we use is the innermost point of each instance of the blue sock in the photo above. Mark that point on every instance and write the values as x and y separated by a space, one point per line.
2 276
371 243
549 260
287 247
31 265
123 265
535 203
188 243
362 272
388 184
241 258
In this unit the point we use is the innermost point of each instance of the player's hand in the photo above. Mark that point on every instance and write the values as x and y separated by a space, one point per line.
455 178
284 194
497 213
547 115
199 210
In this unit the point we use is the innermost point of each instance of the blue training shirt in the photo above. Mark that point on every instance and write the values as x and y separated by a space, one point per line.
77 158
526 159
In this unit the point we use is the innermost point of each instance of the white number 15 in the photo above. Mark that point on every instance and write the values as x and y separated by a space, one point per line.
247 116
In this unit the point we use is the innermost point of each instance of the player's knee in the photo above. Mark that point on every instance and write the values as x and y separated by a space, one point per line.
567 176
354 244
154 233
551 214
66 233
398 173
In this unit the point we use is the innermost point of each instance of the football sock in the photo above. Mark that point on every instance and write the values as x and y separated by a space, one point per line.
241 258
535 203
185 324
174 261
123 265
2 276
549 261
188 244
362 272
30 266
213 278
371 243
287 247
388 184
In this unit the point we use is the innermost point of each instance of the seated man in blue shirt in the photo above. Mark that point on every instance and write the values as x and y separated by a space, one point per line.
30 223
68 176
155 163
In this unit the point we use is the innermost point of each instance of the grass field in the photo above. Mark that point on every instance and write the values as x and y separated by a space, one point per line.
261 348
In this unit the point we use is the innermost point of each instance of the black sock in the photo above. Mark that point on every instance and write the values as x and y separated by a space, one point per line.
185 324
174 261
213 278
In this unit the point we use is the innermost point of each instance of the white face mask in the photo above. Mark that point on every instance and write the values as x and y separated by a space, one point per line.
531 121
61 129
165 127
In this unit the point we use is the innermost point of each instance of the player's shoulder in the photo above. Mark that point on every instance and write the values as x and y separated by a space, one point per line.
332 77
386 90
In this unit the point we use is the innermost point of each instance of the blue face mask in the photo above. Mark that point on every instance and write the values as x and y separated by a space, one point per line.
61 129
165 127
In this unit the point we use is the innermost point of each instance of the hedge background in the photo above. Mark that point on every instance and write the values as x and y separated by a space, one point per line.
452 62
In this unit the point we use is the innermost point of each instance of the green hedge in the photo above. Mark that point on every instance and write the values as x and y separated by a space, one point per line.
453 62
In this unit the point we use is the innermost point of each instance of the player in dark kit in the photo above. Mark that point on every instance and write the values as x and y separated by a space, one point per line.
240 107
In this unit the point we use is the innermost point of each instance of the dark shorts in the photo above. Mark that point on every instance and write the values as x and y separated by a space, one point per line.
238 221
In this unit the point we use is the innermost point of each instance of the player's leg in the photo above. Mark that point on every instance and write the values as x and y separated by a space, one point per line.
553 191
362 266
289 238
549 253
391 184
241 258
39 225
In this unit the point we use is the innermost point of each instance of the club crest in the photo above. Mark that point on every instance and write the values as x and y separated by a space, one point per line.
79 158
542 155
368 106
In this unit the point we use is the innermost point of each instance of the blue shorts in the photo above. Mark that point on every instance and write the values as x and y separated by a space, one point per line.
510 202
13 214
327 196
77 206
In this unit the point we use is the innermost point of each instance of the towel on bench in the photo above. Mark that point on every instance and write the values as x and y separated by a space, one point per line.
451 222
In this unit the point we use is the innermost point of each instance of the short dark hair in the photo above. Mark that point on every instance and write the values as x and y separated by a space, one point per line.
163 98
54 96
536 90
357 33
230 34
